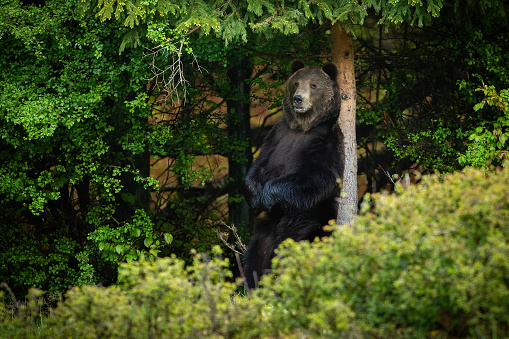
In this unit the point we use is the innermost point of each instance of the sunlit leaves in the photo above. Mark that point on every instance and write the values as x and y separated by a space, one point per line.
136 11
431 249
131 240
489 142
430 255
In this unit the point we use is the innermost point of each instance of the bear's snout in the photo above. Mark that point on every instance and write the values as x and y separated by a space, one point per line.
301 102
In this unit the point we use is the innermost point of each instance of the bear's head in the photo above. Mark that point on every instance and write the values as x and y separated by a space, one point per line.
311 96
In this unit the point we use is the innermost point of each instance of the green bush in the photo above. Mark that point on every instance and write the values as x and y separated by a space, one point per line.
163 299
21 320
303 295
431 258
29 258
427 261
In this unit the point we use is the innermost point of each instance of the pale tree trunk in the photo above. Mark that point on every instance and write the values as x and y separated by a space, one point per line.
343 57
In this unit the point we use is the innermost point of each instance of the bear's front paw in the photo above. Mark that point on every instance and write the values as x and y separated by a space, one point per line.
270 196
268 202
253 195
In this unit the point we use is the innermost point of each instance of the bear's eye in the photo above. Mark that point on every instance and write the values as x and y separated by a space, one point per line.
313 86
296 84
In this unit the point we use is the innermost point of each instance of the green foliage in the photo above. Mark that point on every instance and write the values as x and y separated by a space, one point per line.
78 126
490 144
130 241
21 320
429 260
166 299
54 101
62 124
183 226
29 259
169 21
428 94
303 296
163 299
231 20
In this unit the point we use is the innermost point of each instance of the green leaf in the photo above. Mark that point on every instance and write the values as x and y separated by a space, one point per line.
131 256
168 238
503 138
137 232
148 241
119 249
478 106
128 197
153 253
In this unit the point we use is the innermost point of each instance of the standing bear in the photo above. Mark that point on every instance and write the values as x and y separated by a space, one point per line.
295 178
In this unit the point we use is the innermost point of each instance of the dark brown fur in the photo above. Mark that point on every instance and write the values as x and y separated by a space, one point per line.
322 103
294 179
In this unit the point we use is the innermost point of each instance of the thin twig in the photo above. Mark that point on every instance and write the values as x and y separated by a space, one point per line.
223 236
241 269
170 80
14 300
388 175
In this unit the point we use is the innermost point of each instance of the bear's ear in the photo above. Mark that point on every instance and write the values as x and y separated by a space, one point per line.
296 65
331 70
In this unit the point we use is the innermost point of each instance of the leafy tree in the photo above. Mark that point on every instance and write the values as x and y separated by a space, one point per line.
78 132
70 149
425 95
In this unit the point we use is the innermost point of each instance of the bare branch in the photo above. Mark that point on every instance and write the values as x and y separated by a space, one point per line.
388 175
170 80
13 297
238 247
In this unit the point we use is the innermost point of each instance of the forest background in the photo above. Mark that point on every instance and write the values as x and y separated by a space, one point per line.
127 127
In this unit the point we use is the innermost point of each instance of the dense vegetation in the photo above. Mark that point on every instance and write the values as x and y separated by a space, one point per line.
427 261
107 158
78 137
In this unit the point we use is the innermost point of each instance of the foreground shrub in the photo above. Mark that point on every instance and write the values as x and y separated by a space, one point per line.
20 320
163 299
432 258
304 295
428 261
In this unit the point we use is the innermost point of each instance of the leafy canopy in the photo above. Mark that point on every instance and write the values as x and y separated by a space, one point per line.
233 20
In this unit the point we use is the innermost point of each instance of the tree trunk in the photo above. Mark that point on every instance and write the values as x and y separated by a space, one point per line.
343 56
238 104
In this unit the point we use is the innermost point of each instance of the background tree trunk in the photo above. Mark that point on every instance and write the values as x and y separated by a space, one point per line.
343 56
238 105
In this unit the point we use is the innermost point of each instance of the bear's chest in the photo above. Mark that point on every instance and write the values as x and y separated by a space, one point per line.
294 150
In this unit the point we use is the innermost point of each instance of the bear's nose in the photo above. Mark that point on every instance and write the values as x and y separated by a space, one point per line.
297 99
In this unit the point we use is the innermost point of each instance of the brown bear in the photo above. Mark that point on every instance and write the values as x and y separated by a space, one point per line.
294 180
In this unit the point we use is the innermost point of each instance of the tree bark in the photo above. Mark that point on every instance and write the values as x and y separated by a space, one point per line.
343 56
238 105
